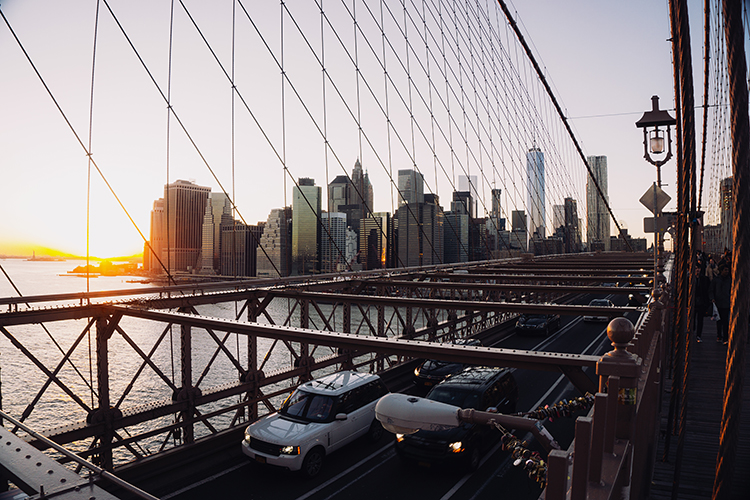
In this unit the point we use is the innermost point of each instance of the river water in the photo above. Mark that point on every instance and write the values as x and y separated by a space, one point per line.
22 380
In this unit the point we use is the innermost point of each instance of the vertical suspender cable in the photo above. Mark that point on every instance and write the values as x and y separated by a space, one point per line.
738 317
166 194
88 193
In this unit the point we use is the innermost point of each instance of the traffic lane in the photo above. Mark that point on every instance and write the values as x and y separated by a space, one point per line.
368 470
247 479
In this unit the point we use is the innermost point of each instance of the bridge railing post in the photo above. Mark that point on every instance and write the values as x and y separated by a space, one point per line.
581 458
557 475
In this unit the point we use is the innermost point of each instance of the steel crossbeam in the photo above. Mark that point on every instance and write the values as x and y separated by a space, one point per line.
478 355
36 473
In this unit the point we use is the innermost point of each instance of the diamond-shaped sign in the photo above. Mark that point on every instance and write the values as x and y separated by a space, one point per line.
661 198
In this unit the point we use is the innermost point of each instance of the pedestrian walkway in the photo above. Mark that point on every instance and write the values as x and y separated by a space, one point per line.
701 445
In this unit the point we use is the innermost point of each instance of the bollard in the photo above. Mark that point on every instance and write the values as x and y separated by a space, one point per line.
626 366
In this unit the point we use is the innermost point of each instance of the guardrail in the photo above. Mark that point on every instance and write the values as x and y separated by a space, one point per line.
614 449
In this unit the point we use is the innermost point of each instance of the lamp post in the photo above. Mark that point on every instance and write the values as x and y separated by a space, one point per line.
656 124
404 414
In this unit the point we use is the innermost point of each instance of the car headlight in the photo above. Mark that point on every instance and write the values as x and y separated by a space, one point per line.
289 450
399 438
416 372
247 437
456 447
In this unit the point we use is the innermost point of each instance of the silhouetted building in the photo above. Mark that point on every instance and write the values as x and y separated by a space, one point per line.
154 250
333 242
598 233
518 236
275 253
377 234
572 230
177 226
456 229
626 243
218 212
239 248
535 197
306 199
420 233
410 187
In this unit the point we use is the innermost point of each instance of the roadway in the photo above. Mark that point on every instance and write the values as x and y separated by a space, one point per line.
366 470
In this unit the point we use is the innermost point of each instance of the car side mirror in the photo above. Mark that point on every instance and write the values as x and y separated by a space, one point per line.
341 416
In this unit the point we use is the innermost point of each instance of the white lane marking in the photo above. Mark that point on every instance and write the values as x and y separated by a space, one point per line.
347 471
204 481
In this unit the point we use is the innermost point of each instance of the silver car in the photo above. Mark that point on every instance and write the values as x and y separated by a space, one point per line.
319 417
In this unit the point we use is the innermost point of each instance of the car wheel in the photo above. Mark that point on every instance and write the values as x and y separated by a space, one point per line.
312 463
472 463
375 432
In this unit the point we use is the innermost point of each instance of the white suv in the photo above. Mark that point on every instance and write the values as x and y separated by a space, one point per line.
319 417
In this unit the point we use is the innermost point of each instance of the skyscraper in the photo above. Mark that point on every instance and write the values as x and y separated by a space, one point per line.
456 229
420 232
274 254
519 235
306 200
333 242
469 183
376 235
181 226
598 228
353 197
727 220
558 217
410 187
218 212
572 229
239 248
157 240
535 198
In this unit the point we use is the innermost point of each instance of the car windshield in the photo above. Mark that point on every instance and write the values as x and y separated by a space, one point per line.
454 396
433 364
307 406
534 317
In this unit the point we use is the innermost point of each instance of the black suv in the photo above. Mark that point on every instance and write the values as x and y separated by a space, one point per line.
433 371
475 387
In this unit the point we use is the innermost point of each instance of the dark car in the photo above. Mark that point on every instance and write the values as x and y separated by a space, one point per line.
475 387
543 324
602 316
434 371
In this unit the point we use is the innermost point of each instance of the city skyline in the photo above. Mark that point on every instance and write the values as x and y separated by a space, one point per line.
137 179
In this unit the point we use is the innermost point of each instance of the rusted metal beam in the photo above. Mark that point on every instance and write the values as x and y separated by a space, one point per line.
477 355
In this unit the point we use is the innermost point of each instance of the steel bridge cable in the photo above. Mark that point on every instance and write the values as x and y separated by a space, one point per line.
176 117
738 320
226 74
514 25
453 155
72 129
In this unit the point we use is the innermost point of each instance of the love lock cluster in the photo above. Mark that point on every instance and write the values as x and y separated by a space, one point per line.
531 460
564 408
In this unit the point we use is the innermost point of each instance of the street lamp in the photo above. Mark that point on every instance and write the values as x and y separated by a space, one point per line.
656 124
405 414
653 135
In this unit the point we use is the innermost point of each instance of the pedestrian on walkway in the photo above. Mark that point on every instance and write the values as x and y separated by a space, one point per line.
702 301
720 293
712 270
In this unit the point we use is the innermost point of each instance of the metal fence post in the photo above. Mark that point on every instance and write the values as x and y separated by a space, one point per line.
579 482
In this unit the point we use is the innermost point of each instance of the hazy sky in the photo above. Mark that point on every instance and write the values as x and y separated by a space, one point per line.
605 59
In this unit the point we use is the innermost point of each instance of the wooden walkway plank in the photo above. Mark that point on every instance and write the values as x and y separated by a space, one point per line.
704 413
